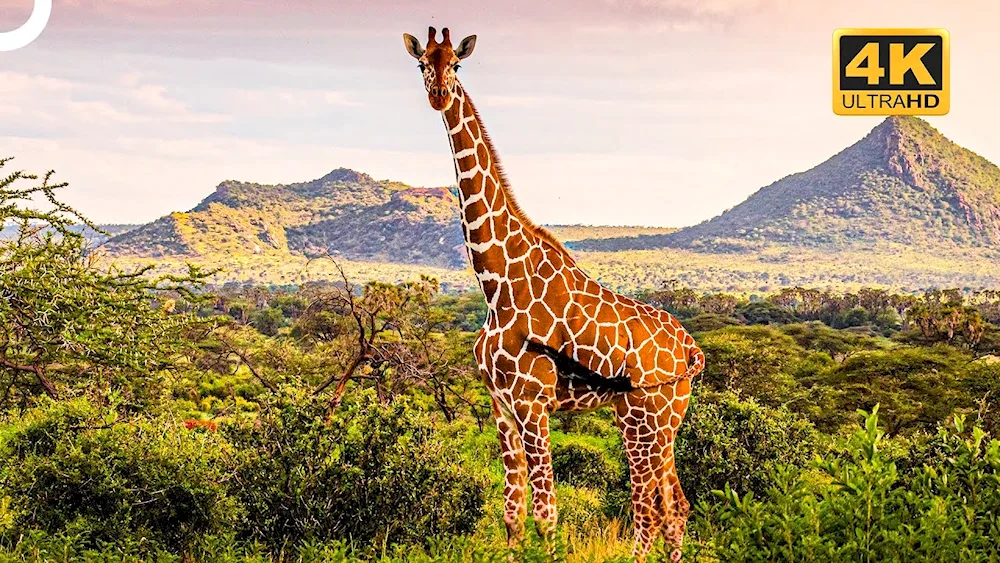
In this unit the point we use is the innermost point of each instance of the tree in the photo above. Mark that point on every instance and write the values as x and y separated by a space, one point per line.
398 339
66 320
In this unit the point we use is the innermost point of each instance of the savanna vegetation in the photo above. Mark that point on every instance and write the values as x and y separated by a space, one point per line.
159 418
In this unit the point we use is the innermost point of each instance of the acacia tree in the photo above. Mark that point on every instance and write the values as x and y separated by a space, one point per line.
67 322
396 337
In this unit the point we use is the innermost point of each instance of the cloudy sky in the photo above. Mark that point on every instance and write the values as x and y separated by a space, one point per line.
642 112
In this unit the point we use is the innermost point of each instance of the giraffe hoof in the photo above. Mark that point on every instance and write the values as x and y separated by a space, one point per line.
675 555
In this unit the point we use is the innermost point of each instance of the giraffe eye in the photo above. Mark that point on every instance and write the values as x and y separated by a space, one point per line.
457 66
422 66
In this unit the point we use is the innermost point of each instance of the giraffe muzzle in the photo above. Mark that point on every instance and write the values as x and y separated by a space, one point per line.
439 101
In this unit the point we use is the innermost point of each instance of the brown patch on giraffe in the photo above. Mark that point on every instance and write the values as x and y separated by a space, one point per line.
537 286
484 231
466 162
517 271
476 209
545 270
462 138
540 318
607 314
500 229
490 288
482 156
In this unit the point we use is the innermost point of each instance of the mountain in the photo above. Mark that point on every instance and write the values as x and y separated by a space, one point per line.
904 182
346 214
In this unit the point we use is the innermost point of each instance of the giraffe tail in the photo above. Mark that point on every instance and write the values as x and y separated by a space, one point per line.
695 360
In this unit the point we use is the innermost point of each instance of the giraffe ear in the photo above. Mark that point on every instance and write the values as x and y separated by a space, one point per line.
412 46
465 47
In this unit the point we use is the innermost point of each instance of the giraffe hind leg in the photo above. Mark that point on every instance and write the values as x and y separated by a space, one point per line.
676 507
643 440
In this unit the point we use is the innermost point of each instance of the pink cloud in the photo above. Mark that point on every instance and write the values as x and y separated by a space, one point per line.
369 14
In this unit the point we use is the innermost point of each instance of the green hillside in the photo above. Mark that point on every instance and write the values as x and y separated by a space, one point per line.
903 183
345 214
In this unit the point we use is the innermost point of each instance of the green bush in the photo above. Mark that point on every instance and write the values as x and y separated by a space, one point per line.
728 440
857 506
580 508
751 360
709 321
916 388
594 464
71 468
582 462
372 474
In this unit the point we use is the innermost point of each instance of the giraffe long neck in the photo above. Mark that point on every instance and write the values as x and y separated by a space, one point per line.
495 231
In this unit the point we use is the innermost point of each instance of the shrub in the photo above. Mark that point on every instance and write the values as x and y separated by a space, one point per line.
751 360
371 474
856 506
581 462
709 321
70 468
597 465
727 440
765 312
580 508
917 388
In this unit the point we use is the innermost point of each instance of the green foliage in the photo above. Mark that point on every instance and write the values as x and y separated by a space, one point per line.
333 422
71 468
596 471
751 360
765 313
371 473
726 441
857 506
917 387
67 323
709 321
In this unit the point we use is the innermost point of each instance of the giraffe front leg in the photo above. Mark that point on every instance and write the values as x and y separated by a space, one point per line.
537 448
515 475
533 384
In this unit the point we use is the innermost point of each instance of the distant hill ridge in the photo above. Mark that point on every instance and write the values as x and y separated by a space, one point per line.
344 213
904 182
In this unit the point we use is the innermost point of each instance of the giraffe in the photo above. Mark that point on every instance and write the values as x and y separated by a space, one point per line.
555 339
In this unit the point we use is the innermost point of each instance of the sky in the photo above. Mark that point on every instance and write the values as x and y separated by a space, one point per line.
619 112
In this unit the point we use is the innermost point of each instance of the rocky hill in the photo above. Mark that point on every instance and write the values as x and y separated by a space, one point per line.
904 183
345 214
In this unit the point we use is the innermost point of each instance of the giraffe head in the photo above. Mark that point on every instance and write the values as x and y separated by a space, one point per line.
438 63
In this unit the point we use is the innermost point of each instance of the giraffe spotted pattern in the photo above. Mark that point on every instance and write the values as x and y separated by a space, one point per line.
554 339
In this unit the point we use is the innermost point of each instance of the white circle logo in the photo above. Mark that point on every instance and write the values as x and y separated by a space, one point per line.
11 40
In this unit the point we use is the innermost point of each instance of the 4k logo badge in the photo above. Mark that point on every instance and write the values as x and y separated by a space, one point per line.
891 72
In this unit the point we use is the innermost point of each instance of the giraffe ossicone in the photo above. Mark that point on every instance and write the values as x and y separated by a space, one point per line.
555 339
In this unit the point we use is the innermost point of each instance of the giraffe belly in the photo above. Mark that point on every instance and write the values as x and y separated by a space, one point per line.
625 338
574 396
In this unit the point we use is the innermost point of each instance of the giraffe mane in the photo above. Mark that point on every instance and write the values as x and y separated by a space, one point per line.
514 207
